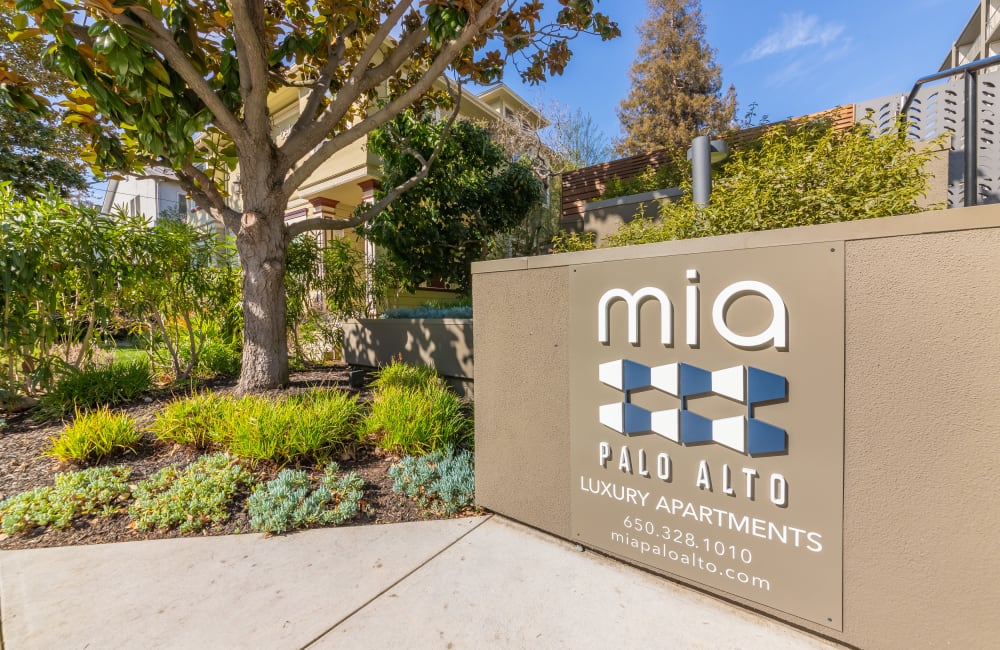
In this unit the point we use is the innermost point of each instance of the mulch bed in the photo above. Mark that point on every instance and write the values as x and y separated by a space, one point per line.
23 467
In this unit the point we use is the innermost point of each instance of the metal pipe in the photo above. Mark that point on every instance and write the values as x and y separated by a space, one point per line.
701 170
971 139
951 72
971 153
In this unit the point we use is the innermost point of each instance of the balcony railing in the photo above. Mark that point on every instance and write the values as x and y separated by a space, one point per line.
970 73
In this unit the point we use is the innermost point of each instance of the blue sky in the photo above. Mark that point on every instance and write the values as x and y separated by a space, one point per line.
791 57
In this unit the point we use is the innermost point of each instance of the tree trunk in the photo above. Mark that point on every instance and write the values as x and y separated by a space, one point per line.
261 245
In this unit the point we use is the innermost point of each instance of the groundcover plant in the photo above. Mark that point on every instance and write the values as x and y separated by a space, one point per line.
174 469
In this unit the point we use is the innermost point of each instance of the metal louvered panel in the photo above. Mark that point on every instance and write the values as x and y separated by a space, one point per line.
989 155
939 109
881 112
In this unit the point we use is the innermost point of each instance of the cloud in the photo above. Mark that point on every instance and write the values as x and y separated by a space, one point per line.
797 30
807 67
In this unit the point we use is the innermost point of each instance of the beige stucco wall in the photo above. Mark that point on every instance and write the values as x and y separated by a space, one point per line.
523 381
922 407
351 159
921 544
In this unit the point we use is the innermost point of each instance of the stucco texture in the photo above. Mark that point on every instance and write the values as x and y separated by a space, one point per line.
921 547
522 388
921 550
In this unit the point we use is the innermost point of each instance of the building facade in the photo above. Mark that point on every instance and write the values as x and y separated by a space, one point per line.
979 39
151 196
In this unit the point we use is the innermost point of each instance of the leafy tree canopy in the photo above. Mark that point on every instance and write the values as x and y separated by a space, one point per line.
151 76
36 152
30 156
442 225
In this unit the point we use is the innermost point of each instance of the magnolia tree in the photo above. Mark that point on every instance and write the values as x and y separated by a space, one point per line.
185 85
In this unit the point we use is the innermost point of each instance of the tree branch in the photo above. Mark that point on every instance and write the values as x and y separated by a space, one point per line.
164 43
248 25
387 112
396 57
363 80
322 84
310 129
383 34
202 189
325 223
360 82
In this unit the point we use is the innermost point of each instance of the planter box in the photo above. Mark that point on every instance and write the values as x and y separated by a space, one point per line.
442 343
604 217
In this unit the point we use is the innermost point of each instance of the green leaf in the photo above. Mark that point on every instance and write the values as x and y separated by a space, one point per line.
156 68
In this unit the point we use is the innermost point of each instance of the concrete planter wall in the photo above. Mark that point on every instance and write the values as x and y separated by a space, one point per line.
442 343
604 217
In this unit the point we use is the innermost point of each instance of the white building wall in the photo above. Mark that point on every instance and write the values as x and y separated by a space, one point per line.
148 197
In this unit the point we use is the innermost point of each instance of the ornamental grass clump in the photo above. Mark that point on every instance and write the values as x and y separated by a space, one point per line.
290 501
189 499
94 435
191 420
442 481
309 427
414 412
97 491
417 421
402 375
313 426
84 389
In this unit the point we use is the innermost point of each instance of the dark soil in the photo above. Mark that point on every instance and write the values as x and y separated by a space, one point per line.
23 467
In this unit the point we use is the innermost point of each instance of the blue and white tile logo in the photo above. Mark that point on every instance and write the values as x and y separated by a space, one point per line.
746 385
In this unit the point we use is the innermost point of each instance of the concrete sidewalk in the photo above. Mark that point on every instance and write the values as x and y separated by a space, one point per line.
460 583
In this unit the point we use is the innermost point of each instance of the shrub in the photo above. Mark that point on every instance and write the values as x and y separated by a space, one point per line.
568 242
190 420
441 225
94 435
443 481
312 426
795 176
649 180
184 289
189 499
98 491
84 389
404 375
62 273
415 420
220 359
289 502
